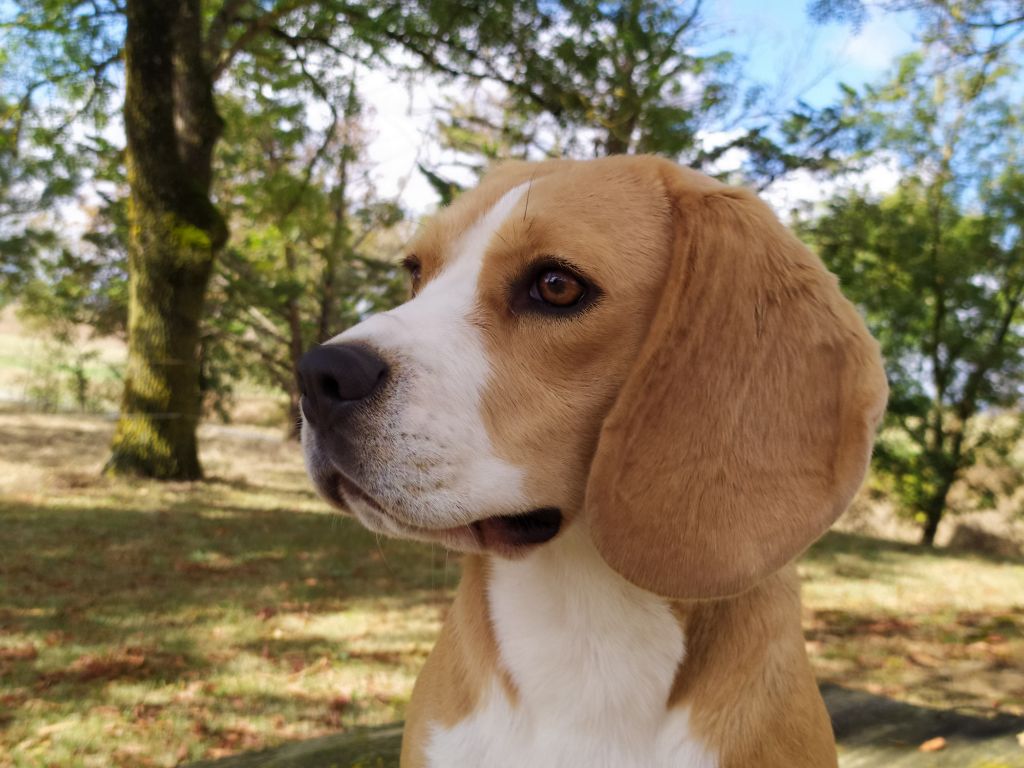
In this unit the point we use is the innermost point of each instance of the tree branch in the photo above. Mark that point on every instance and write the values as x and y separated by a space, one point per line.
218 30
253 29
968 402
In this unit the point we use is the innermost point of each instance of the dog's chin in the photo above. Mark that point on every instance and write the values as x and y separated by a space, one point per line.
510 536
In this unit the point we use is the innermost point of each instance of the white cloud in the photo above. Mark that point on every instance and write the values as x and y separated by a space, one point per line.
801 188
879 42
399 121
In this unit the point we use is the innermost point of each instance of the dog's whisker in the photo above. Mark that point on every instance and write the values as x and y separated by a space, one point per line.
383 557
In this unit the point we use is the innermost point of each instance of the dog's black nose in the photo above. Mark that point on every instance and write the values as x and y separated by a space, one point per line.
334 376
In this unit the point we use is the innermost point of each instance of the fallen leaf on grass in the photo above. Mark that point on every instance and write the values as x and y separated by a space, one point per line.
933 745
342 702
90 667
108 666
54 638
193 691
19 653
75 480
887 627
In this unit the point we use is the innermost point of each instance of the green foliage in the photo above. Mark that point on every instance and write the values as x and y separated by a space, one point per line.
945 306
446 189
313 248
584 78
59 85
79 284
66 374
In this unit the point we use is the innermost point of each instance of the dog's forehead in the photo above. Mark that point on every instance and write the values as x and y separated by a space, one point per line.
434 244
619 197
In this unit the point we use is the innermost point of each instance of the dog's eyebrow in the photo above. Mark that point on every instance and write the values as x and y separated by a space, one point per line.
528 188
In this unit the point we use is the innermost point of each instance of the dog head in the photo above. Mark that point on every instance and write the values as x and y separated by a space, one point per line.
621 343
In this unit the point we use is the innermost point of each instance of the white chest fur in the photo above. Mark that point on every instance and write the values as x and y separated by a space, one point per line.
593 659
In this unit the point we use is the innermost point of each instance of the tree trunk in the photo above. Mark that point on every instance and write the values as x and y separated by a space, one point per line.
337 250
935 508
296 347
933 516
175 232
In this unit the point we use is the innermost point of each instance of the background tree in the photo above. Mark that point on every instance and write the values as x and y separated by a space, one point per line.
175 231
57 130
938 266
967 28
313 245
584 79
948 316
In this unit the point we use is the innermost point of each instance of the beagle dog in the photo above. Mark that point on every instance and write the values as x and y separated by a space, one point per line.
632 398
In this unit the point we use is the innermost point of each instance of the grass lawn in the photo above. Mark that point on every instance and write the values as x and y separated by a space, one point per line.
150 624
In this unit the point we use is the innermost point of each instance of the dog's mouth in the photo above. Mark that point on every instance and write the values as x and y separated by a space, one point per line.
515 532
509 535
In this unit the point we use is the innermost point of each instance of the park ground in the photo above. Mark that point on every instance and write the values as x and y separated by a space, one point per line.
149 624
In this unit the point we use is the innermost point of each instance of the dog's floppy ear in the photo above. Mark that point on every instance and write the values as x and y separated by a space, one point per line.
746 425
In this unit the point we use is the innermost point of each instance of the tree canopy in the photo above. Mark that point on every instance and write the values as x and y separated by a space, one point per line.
938 265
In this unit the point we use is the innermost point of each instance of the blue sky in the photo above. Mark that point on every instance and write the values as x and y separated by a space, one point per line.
780 43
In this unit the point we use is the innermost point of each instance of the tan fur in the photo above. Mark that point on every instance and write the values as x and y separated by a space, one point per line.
433 243
748 682
709 417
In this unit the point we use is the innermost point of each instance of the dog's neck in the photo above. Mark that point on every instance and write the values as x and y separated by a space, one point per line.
565 622
591 661
559 661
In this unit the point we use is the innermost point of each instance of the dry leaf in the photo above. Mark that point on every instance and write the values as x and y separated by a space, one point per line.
19 653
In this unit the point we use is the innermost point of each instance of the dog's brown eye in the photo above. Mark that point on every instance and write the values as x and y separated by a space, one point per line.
558 288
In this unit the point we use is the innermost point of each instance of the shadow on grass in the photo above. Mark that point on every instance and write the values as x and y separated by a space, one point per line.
874 731
64 560
248 486
122 594
884 551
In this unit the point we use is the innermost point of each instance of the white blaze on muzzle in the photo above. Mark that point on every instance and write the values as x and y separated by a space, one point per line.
436 462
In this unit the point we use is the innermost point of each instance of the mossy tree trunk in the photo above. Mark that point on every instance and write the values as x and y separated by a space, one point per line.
172 126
